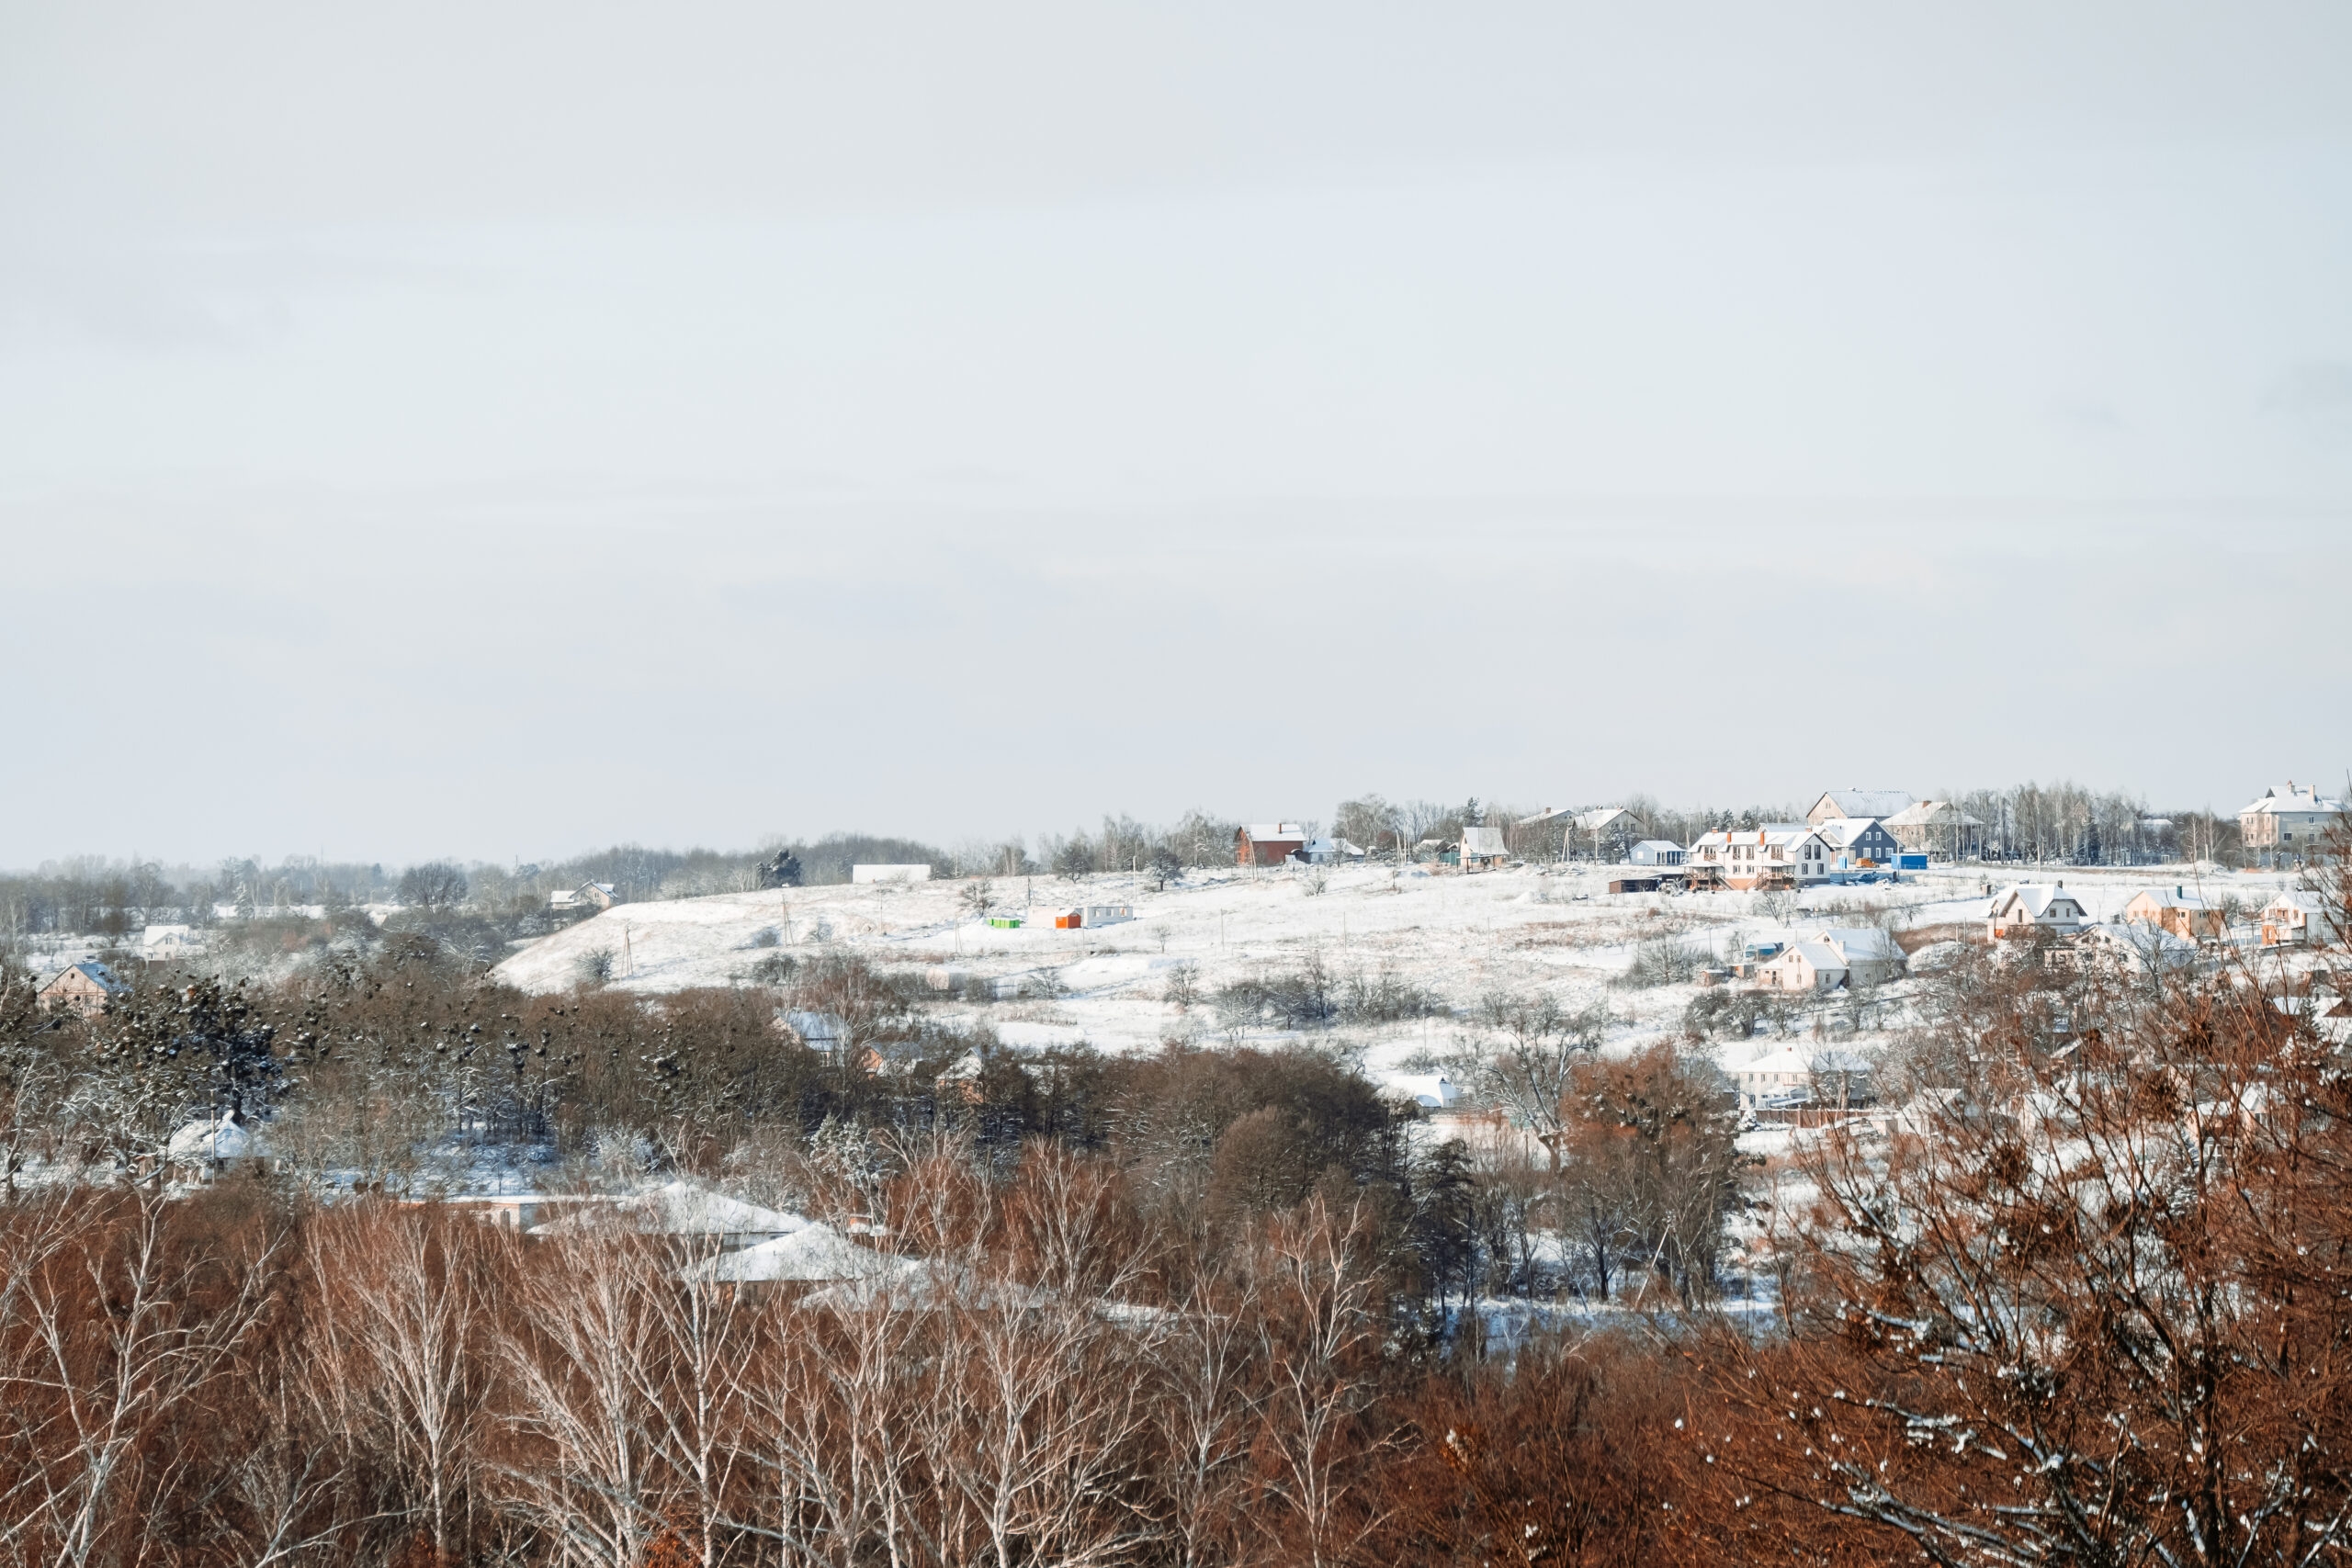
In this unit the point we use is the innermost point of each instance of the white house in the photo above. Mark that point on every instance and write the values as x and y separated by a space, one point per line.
163 943
1483 847
1657 852
2027 906
1106 914
1777 855
1857 841
1872 803
1796 1072
1938 827
2295 918
1870 954
2290 821
1805 966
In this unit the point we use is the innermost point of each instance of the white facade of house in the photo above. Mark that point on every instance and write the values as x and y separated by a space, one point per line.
1483 846
1657 852
2027 906
2294 919
1799 1070
1751 857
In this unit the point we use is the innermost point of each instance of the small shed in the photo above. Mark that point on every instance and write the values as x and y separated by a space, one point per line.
1657 852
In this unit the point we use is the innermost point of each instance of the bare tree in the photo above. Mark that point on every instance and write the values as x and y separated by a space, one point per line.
1317 1340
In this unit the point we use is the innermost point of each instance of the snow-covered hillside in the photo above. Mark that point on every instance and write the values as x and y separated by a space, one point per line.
1459 936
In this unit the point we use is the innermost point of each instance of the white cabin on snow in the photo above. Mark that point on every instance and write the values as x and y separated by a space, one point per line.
1657 852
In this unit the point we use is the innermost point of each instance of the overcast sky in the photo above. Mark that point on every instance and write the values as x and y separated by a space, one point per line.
496 430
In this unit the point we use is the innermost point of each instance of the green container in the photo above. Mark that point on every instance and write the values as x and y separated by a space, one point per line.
1005 922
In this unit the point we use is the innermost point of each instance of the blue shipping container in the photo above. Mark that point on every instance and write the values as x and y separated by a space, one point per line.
1910 862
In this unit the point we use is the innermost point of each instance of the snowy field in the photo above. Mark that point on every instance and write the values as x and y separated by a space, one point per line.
1460 936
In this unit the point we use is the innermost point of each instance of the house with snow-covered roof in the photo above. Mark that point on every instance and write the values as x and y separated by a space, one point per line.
1938 827
2291 821
1657 852
1877 804
2297 918
1857 842
2026 908
1802 1073
1267 843
82 987
1483 847
1778 854
2181 912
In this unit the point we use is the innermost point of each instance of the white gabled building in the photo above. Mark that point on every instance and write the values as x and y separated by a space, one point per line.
1830 957
1777 855
1657 852
2029 906
1802 1071
2296 918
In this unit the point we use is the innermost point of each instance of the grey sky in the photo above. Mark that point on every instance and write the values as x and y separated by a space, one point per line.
497 430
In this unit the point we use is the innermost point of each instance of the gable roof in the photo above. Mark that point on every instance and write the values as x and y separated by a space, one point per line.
1867 942
1933 814
1824 958
2294 797
2033 898
1274 832
1863 802
1841 831
91 970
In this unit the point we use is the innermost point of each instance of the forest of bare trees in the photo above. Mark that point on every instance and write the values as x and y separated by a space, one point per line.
2082 1306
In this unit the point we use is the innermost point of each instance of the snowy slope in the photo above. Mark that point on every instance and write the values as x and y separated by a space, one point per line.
1460 936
